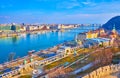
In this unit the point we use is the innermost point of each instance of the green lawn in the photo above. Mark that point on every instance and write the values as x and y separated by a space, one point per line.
69 59
25 76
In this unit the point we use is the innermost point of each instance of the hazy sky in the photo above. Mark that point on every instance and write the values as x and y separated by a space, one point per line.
58 11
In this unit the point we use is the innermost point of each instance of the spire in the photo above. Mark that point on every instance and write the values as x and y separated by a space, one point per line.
114 29
76 37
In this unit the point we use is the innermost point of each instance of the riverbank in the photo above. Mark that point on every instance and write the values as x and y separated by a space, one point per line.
32 54
20 45
13 33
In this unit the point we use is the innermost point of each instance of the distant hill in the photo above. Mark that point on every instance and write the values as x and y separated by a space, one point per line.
113 21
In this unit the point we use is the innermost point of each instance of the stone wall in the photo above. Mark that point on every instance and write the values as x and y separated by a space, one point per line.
103 71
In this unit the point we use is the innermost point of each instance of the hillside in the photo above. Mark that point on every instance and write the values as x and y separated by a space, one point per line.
113 21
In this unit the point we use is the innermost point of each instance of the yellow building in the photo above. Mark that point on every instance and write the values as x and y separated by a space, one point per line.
88 35
91 34
31 28
102 31
22 28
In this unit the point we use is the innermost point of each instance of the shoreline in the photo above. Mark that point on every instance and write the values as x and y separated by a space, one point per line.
14 34
27 56
38 50
11 33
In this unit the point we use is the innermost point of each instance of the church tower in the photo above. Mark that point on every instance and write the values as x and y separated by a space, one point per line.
76 38
114 29
113 34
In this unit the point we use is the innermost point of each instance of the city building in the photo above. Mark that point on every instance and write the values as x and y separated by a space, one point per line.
23 28
45 28
96 42
81 37
113 34
92 34
65 49
102 32
87 35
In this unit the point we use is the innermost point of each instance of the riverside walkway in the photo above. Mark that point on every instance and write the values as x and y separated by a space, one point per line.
19 61
30 66
36 63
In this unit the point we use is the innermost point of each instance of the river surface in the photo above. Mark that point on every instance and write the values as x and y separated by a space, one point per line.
26 42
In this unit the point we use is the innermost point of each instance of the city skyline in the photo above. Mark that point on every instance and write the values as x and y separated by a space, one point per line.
59 38
58 11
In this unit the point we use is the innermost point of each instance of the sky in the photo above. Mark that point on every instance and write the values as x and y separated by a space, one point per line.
58 11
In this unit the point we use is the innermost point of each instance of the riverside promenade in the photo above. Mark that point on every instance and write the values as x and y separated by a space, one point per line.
29 67
34 56
25 68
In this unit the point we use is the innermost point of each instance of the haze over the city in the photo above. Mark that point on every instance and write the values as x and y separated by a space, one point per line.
58 11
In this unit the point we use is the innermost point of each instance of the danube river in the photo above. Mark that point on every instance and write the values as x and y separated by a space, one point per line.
26 42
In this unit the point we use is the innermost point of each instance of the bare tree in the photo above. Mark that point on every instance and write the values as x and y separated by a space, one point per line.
60 73
11 56
102 57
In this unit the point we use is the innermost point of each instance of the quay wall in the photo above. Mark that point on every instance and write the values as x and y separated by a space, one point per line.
103 71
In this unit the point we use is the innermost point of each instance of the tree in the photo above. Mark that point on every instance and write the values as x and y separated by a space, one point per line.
11 56
60 73
102 57
13 27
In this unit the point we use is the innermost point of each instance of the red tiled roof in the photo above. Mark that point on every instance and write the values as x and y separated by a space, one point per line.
112 33
44 28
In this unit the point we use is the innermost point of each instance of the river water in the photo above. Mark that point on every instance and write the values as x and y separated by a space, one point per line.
26 42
